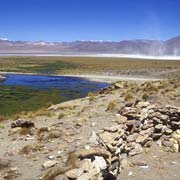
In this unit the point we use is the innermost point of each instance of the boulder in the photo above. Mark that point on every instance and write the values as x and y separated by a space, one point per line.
61 177
132 137
156 136
142 104
22 123
100 163
137 150
176 135
132 123
121 119
74 173
85 165
158 127
142 139
175 124
167 143
107 137
111 129
94 151
118 85
139 163
49 164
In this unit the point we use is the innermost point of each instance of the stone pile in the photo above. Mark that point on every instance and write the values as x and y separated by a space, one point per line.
147 123
94 164
138 125
22 123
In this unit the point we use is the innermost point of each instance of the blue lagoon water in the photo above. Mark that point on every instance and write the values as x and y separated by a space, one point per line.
67 85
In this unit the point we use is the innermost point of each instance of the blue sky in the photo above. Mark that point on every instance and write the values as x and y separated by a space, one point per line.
70 20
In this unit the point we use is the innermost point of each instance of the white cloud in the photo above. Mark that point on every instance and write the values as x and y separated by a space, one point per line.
4 39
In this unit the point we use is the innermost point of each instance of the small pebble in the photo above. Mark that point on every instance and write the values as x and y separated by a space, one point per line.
130 173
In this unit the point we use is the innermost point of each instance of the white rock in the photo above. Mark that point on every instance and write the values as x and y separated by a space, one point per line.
60 152
51 157
29 138
49 164
143 104
94 138
87 147
86 165
84 176
144 167
100 163
130 173
111 129
93 124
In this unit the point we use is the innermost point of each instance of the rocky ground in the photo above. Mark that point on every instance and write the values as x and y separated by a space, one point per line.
127 131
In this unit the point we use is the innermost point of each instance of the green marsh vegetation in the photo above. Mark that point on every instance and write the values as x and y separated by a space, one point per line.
17 99
85 65
33 65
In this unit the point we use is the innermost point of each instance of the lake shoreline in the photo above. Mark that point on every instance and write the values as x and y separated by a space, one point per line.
94 77
33 92
2 78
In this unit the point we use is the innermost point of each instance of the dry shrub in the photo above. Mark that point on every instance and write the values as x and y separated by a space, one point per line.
112 105
150 87
2 126
128 96
42 130
31 114
92 96
31 149
48 135
67 107
25 131
2 118
40 112
145 96
61 115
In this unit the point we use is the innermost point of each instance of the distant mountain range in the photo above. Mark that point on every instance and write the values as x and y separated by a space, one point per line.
130 47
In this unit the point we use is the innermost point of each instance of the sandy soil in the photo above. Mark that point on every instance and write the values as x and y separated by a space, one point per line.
161 165
112 78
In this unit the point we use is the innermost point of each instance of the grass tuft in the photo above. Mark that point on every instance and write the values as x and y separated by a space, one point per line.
128 96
